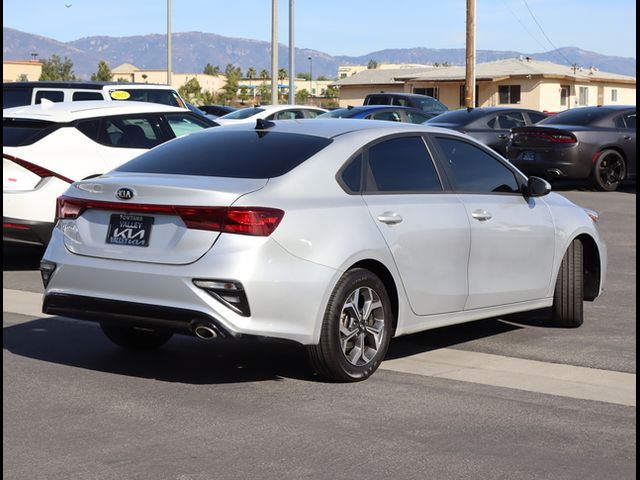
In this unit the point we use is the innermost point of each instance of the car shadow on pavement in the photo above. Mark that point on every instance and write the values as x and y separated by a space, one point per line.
20 257
586 186
189 360
183 359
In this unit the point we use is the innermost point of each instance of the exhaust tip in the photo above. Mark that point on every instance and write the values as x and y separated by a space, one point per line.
205 332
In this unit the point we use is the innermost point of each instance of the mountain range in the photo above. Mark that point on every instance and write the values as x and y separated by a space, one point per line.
193 50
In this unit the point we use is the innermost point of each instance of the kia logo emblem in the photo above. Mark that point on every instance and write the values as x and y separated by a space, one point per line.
125 193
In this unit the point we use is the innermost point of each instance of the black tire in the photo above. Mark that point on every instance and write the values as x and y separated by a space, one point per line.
328 358
609 170
567 310
135 339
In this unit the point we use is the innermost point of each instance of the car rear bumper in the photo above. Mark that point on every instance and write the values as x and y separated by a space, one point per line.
26 232
287 295
561 163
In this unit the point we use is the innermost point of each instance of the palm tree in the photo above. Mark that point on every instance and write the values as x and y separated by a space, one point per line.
251 74
264 75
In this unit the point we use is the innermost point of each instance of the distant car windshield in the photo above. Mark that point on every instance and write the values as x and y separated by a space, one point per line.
430 105
236 154
242 113
457 117
576 116
165 97
337 113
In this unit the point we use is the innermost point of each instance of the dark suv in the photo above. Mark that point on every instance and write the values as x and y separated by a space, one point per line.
421 102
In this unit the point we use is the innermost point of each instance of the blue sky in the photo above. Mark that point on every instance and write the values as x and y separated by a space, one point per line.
347 27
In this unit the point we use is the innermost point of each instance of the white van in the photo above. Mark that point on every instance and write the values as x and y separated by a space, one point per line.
17 94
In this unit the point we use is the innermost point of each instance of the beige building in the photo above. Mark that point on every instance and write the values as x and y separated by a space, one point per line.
131 73
345 71
522 82
25 70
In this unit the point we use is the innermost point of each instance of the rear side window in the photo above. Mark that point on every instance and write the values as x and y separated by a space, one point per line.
130 132
51 95
16 97
351 175
181 124
378 100
536 117
238 154
401 165
474 170
80 96
17 132
388 115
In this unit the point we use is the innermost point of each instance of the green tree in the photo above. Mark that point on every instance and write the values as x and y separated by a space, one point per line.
332 91
251 73
264 75
265 94
121 79
191 91
244 94
56 69
103 74
207 98
211 70
322 78
302 96
23 77
304 75
282 74
230 89
372 65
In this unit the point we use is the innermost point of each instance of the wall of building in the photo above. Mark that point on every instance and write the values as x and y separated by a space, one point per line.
12 71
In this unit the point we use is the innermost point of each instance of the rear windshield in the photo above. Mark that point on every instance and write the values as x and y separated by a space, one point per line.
337 113
577 116
243 113
165 97
16 97
238 154
457 117
17 132
429 105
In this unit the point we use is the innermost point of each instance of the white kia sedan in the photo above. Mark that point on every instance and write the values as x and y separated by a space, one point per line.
48 146
270 112
337 234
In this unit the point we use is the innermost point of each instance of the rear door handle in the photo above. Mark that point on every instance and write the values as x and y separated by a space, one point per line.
390 218
482 215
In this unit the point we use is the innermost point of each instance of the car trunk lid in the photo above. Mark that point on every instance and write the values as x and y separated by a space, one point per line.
155 218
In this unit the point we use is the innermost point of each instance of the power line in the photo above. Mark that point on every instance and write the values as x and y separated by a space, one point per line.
506 4
545 35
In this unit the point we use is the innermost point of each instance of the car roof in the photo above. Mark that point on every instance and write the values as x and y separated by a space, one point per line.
63 112
397 94
84 85
334 127
362 108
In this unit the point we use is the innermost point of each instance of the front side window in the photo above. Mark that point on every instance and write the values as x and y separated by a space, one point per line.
630 120
474 170
509 94
181 124
401 165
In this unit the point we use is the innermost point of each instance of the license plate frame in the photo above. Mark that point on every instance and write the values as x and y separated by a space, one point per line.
129 230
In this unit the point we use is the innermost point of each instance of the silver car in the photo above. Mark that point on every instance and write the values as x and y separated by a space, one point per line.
337 234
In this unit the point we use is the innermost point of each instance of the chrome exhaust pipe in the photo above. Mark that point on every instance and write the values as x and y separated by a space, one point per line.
205 332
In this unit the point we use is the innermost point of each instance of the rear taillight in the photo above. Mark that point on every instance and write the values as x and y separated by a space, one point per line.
259 221
546 136
37 169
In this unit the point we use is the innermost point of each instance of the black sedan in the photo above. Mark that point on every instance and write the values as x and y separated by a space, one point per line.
490 125
595 143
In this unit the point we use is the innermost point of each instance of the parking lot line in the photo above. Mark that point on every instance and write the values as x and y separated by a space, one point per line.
474 367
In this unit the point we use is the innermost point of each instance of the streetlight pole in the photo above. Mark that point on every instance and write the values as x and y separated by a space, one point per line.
274 52
292 54
310 77
169 68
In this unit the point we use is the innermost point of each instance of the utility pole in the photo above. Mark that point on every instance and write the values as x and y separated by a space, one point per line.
274 52
292 53
169 67
470 72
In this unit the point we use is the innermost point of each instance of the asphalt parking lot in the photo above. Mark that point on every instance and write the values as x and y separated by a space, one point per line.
75 406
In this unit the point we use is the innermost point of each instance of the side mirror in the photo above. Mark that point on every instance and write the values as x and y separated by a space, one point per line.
537 187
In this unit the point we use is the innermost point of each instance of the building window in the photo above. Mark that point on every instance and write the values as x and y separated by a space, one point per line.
583 96
614 94
564 95
431 91
343 75
509 94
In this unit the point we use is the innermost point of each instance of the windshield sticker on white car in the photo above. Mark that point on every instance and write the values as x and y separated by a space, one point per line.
120 95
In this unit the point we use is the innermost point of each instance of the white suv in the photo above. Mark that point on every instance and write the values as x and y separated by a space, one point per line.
16 94
49 146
